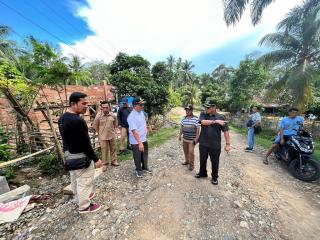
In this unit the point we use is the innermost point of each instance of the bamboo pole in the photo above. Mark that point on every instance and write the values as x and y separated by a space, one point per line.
55 138
5 164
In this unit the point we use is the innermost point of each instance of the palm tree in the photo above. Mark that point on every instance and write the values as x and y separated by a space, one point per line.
190 95
170 64
76 67
186 69
298 50
233 9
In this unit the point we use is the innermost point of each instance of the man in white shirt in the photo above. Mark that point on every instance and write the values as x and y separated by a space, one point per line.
138 137
255 119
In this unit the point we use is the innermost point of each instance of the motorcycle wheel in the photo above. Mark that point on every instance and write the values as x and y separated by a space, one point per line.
310 171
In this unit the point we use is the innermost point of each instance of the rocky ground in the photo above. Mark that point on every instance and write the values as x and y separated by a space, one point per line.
252 201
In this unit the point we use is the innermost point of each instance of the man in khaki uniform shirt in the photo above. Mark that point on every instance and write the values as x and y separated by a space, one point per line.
105 125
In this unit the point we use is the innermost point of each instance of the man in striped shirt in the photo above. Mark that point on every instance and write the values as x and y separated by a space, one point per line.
190 129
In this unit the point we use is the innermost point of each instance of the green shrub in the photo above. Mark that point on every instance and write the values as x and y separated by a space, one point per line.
50 164
10 173
5 148
5 152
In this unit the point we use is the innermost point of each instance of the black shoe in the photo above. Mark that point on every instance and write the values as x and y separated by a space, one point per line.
214 181
248 149
147 170
139 174
198 175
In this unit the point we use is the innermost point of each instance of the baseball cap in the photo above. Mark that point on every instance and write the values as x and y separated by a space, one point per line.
188 108
210 103
138 100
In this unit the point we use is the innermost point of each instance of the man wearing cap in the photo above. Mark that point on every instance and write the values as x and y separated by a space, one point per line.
190 129
122 116
212 124
138 137
289 126
105 124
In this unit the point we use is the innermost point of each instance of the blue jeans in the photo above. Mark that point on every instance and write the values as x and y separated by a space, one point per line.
251 137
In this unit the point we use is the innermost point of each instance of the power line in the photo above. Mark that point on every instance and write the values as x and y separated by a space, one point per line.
52 20
76 28
43 29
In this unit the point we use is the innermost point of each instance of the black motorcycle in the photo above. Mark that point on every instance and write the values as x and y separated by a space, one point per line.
297 153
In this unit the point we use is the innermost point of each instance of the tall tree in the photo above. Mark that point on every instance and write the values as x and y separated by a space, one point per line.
186 69
234 9
247 83
132 77
297 45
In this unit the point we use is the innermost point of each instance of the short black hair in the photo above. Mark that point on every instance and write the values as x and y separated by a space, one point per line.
293 109
76 96
104 102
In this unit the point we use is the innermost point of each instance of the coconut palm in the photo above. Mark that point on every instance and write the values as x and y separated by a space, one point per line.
186 69
170 62
297 44
190 95
234 9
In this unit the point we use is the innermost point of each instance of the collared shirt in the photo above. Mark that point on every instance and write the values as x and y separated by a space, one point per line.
291 125
210 136
189 127
105 125
137 121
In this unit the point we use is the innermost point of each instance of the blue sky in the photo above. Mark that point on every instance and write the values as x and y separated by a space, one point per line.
99 29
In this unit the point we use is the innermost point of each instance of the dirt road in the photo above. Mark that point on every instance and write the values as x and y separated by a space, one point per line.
252 201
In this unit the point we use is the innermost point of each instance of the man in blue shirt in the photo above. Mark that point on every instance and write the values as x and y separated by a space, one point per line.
289 126
138 137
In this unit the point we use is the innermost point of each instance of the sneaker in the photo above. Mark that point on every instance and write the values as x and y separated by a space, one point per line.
185 163
92 195
265 161
214 181
198 175
139 174
148 170
248 149
92 208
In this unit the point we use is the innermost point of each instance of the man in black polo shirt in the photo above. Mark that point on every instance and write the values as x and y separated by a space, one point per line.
212 124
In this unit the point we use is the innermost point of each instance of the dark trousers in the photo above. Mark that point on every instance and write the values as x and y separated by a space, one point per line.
140 158
214 157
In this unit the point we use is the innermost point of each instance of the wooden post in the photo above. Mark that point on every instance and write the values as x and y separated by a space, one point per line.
105 82
55 137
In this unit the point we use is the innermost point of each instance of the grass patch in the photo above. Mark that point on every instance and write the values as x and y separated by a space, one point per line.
266 137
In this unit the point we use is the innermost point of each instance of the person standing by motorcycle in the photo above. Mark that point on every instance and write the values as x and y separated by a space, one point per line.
255 120
289 126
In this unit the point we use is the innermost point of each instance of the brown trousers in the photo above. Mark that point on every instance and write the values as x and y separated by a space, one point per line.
188 149
106 147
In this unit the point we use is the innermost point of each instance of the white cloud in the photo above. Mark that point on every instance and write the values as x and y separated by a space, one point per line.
156 29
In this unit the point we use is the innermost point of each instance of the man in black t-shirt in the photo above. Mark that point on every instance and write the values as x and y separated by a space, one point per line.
74 133
212 124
